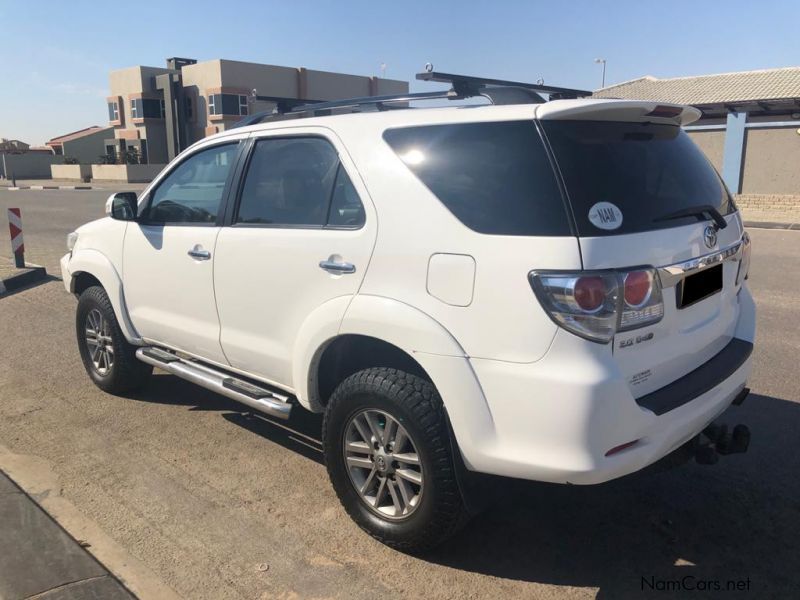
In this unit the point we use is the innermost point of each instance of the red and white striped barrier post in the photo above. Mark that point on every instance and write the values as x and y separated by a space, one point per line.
15 228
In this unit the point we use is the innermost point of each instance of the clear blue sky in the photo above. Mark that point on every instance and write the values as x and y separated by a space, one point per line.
57 55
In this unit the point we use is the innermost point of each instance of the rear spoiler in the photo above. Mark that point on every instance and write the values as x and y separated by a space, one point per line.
618 110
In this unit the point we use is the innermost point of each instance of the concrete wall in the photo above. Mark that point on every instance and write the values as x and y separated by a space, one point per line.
71 172
269 80
28 166
126 173
88 148
712 144
780 203
156 136
771 161
197 79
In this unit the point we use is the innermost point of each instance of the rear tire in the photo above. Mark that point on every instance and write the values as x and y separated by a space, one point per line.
108 358
408 452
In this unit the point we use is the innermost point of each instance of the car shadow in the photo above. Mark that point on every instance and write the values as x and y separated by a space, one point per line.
300 433
693 529
694 526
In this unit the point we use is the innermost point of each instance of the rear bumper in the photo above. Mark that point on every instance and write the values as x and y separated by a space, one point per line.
556 419
703 379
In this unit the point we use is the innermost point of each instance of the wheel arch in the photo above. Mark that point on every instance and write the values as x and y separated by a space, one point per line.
374 332
90 267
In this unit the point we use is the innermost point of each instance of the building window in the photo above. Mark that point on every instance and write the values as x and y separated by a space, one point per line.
147 108
228 104
113 111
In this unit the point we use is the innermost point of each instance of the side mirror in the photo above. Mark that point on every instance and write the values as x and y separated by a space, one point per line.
122 206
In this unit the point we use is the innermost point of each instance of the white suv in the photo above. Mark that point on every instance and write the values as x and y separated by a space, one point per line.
551 291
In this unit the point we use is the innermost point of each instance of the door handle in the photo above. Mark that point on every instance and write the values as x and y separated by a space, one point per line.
337 267
198 253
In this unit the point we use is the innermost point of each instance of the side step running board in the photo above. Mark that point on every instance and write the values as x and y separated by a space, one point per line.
261 399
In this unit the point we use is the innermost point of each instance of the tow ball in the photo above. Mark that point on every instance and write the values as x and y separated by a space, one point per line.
716 439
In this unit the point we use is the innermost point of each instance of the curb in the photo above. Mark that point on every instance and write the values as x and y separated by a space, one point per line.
47 560
772 225
47 187
32 274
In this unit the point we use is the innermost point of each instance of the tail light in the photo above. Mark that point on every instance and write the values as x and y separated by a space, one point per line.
597 304
744 263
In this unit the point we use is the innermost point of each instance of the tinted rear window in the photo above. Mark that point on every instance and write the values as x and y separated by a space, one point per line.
494 177
647 171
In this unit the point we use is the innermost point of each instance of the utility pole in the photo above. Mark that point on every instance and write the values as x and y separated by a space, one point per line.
603 61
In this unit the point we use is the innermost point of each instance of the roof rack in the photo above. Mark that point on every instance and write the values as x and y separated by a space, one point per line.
479 86
306 108
498 91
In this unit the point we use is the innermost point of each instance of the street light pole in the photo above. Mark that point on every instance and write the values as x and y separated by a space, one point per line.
603 61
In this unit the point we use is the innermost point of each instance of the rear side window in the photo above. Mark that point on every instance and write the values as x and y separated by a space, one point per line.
346 208
646 171
494 177
298 182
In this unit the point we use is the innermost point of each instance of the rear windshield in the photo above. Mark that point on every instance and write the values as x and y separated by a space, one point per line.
494 177
626 177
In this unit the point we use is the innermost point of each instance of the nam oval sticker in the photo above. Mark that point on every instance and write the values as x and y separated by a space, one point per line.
605 215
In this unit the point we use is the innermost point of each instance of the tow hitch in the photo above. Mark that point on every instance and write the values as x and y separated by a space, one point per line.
716 439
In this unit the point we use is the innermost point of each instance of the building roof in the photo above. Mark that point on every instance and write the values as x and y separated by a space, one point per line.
7 144
723 88
68 137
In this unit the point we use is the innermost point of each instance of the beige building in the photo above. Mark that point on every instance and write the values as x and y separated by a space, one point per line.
750 128
156 112
84 146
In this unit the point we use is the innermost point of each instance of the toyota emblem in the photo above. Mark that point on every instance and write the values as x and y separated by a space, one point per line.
710 236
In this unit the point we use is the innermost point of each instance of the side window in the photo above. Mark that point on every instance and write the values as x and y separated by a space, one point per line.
346 208
496 178
293 182
192 192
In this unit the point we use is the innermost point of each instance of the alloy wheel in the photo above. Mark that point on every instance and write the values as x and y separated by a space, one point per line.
383 464
99 342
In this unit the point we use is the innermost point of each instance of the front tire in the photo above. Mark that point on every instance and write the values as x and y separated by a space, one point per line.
389 458
108 358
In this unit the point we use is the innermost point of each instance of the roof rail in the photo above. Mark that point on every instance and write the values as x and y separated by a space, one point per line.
311 108
283 104
498 91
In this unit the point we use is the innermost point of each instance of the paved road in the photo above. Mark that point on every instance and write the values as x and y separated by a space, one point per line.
217 504
48 216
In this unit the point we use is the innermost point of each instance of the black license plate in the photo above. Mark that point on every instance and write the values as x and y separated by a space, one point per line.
699 286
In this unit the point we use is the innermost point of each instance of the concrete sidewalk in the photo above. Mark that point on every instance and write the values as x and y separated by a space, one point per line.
39 559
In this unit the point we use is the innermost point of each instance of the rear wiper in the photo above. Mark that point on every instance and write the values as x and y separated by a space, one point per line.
704 211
